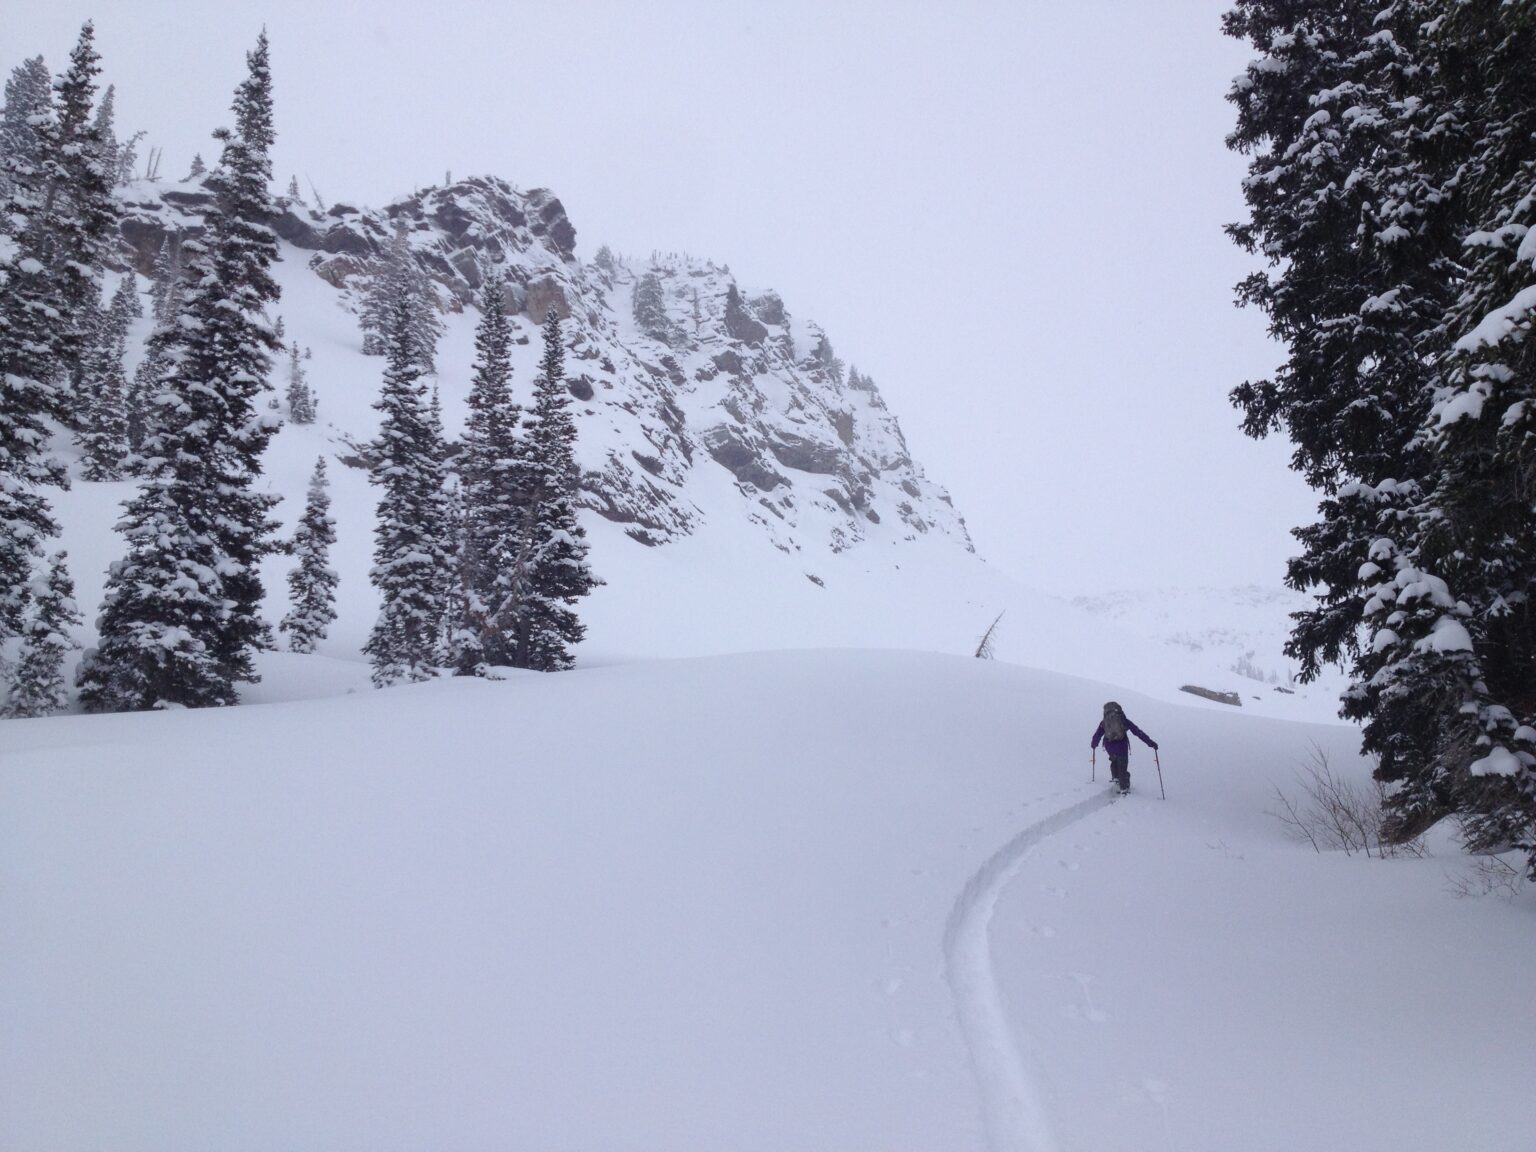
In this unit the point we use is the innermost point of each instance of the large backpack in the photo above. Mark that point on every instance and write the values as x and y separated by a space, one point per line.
1114 722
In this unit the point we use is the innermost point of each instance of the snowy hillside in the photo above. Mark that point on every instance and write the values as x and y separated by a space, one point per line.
778 867
674 368
1244 629
784 901
744 490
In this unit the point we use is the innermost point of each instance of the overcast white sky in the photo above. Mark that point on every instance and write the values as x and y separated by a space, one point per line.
1008 213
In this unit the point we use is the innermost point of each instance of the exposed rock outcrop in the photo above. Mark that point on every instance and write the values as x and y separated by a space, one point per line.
703 374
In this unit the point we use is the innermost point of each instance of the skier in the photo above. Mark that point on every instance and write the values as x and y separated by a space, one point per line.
1114 730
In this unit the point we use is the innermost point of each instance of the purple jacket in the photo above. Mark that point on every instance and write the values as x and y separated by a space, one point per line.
1120 747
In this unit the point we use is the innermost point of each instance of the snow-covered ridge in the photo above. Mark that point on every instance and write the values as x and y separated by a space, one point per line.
1243 630
701 376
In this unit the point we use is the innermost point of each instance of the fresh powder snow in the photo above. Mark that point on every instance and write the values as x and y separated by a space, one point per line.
779 866
815 899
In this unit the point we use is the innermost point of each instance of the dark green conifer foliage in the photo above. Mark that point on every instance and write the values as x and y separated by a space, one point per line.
1451 682
312 583
103 433
1391 188
242 248
47 637
492 496
181 620
409 554
301 398
650 309
551 567
54 220
28 93
84 213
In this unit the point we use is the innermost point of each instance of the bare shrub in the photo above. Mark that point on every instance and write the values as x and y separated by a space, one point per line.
1489 876
1332 813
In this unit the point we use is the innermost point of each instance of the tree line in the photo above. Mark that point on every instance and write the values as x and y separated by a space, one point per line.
478 566
1391 189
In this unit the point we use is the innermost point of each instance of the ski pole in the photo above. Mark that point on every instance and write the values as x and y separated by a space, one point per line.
1159 764
1093 765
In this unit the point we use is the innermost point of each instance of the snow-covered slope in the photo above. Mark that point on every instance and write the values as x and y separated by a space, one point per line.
698 894
743 489
695 385
843 900
1244 629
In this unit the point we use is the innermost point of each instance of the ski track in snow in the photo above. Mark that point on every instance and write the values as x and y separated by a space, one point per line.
1011 1105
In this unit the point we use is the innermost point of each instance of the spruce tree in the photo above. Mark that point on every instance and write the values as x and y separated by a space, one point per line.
47 636
103 435
1447 685
166 300
181 619
301 400
107 148
409 555
139 398
650 308
83 215
552 565
445 525
312 584
34 344
492 496
1358 237
398 275
1391 188
28 94
240 250
166 279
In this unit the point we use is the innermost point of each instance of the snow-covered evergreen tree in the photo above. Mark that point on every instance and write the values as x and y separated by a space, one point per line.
739 321
241 249
398 275
165 602
650 308
552 565
823 357
491 493
128 158
1346 205
126 307
1448 695
138 403
82 213
301 400
409 555
181 618
166 280
312 584
28 94
1391 188
47 636
166 298
34 342
103 434
103 399
107 148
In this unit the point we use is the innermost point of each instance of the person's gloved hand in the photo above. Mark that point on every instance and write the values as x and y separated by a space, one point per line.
1154 745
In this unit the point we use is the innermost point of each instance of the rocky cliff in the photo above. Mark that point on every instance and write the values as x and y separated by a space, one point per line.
675 368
